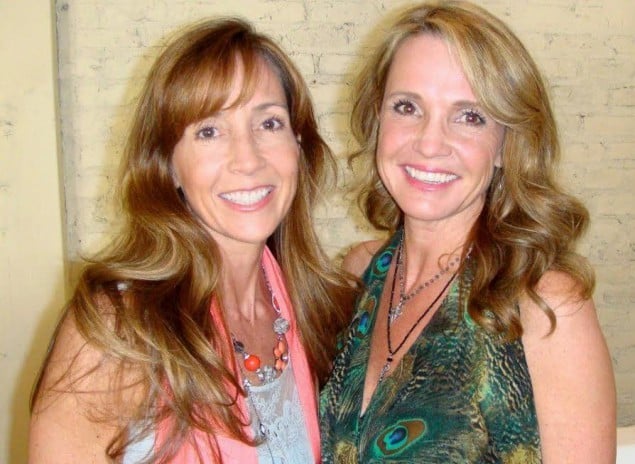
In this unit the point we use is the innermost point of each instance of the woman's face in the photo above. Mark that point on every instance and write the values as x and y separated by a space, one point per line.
239 167
437 148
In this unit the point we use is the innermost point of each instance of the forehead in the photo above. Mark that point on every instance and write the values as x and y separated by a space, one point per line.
259 80
425 63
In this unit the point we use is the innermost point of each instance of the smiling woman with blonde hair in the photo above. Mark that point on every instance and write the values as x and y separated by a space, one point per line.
189 339
475 337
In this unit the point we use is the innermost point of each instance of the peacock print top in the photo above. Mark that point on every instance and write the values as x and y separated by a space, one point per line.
459 395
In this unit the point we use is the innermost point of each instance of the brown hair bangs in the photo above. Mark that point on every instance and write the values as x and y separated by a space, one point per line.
200 82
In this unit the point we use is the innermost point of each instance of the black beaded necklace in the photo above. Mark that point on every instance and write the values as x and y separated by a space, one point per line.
391 351
396 311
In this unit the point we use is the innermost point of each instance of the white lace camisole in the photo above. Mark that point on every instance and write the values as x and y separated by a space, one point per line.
277 405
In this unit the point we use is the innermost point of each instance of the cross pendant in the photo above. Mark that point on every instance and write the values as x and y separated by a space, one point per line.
396 311
385 369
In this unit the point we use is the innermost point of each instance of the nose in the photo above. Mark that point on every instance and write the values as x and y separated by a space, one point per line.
246 156
431 137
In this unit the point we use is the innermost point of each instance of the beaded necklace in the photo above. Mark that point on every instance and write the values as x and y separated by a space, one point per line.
395 311
251 362
392 351
266 373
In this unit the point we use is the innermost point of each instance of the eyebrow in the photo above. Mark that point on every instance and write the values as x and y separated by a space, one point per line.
403 93
261 107
266 105
417 97
467 103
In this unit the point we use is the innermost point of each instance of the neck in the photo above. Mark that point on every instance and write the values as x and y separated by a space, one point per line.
242 284
429 249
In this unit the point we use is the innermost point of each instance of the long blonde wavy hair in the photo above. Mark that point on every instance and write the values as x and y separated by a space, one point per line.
169 265
529 225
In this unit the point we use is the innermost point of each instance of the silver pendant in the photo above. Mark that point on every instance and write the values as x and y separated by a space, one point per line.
395 312
385 369
281 326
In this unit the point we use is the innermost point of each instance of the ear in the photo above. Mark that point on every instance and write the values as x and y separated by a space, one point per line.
298 138
175 177
498 161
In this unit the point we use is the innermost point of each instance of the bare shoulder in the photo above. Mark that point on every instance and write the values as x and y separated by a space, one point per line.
73 359
571 374
358 257
562 295
75 412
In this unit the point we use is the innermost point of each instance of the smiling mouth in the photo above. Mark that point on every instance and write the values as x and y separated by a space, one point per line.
430 177
247 197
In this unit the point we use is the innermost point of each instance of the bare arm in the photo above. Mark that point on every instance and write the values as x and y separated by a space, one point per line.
75 391
571 375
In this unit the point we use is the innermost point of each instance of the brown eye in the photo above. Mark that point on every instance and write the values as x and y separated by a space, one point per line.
272 124
472 118
207 132
404 107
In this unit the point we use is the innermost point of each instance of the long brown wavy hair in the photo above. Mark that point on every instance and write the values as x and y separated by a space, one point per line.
529 225
169 266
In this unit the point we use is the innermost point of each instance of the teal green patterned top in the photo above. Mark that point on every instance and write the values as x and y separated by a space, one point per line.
459 395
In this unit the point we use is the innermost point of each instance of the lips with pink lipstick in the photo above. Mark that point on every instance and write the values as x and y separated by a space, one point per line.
429 176
247 198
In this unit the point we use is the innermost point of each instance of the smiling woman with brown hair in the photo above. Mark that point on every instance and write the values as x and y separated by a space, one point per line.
189 339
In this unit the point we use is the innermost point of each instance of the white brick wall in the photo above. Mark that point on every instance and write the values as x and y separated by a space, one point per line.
586 49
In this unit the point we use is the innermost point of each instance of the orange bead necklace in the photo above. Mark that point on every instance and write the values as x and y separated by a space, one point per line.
251 362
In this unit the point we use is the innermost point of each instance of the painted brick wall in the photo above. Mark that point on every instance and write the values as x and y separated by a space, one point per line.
586 48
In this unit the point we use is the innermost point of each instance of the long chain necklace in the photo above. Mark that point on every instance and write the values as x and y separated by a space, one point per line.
392 351
395 311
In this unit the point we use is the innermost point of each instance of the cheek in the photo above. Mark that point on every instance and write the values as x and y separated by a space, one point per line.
390 142
393 137
383 169
185 173
385 146
291 162
198 175
185 164
484 150
286 166
387 137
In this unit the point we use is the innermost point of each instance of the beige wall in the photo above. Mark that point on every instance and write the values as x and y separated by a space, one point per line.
31 251
585 47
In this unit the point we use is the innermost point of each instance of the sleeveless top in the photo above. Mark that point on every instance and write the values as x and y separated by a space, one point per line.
277 404
198 447
459 395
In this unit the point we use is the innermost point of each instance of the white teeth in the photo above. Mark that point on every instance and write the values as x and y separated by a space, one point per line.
430 177
247 197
